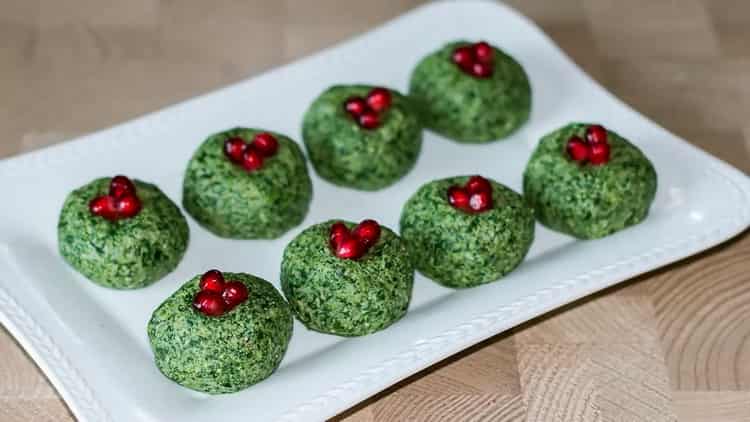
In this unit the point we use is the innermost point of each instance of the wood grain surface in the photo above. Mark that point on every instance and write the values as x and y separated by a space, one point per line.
673 345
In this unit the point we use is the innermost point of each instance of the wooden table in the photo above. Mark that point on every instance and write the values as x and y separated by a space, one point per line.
672 345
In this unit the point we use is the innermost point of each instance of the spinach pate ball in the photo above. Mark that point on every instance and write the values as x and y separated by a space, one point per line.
362 137
347 279
121 233
220 336
465 231
471 93
247 184
588 181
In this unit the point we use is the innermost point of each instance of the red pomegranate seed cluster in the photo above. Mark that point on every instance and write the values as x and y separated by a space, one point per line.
475 59
121 202
366 111
251 155
474 197
218 296
593 149
354 243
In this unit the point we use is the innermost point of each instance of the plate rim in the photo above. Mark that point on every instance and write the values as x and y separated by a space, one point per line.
85 405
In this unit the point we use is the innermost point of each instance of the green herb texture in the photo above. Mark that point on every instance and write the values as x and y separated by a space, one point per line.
221 354
341 296
123 254
367 159
460 249
588 201
234 203
469 109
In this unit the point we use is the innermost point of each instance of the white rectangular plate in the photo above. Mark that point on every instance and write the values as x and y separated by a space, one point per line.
92 341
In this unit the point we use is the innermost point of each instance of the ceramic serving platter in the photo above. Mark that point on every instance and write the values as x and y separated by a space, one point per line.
92 344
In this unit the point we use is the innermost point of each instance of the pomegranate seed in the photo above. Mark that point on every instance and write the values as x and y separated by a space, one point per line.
337 234
355 106
596 134
103 206
252 159
368 232
209 303
235 292
212 281
121 186
349 248
475 195
577 149
369 120
481 70
599 154
463 57
379 99
478 184
265 143
480 201
483 52
234 148
458 197
128 206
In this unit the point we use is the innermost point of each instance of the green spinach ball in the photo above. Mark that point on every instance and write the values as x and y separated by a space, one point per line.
346 297
459 248
361 154
122 253
221 354
467 107
233 202
582 199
